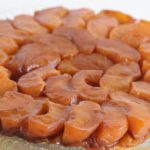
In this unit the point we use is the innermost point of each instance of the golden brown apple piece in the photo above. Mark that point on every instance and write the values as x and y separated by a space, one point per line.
147 76
8 45
51 17
77 18
120 16
137 111
6 84
83 121
117 50
113 127
141 89
84 62
28 24
59 89
144 50
100 26
4 72
120 76
145 65
32 56
86 82
33 83
81 37
75 21
133 33
3 57
129 141
65 48
14 100
49 124
7 30
83 13
11 120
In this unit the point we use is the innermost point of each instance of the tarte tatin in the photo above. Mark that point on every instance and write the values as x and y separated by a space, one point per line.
76 78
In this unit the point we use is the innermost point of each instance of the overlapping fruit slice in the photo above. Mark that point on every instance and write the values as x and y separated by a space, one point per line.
11 120
144 50
81 37
28 24
120 16
32 56
3 57
7 30
8 45
141 89
145 65
59 89
86 82
33 82
117 50
100 26
6 84
52 17
83 121
64 47
77 18
114 125
48 124
84 62
14 100
120 76
137 111
133 33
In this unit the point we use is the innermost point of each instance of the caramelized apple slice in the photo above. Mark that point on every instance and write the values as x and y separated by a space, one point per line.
3 57
14 100
33 82
145 65
144 50
133 34
84 62
73 21
125 69
4 72
86 82
120 76
7 30
83 13
77 18
113 126
7 84
147 76
129 141
117 50
8 45
11 120
138 113
59 89
52 17
115 83
81 37
28 24
120 16
141 89
83 121
32 56
65 48
48 124
101 26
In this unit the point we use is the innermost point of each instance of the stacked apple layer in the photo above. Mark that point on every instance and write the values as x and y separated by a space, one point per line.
76 75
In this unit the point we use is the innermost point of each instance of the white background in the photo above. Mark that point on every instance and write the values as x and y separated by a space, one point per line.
137 8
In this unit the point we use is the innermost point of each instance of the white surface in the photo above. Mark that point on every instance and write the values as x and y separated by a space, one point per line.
137 8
